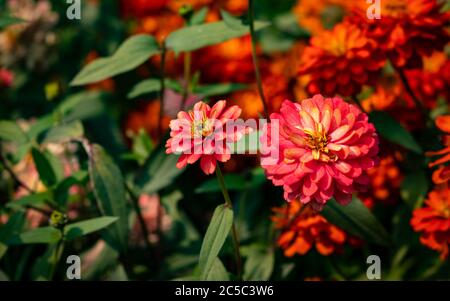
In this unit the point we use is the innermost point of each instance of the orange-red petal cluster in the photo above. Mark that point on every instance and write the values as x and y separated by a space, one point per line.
301 231
433 221
341 61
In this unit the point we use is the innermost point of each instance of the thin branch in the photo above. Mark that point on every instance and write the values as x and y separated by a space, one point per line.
255 57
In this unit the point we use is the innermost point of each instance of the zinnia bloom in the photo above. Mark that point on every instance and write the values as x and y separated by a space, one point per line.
407 29
432 81
341 61
325 148
442 174
385 181
301 231
204 133
433 221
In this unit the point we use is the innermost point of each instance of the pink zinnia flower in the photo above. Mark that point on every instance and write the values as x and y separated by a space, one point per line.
325 147
204 133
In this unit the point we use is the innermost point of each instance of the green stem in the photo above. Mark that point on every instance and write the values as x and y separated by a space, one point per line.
163 86
229 204
187 78
135 201
251 18
57 256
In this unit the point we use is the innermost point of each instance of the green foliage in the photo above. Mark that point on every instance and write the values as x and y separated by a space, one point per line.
392 130
79 229
132 53
357 220
109 190
215 237
199 36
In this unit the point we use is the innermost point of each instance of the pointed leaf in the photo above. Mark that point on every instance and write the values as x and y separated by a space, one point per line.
356 219
391 130
64 133
199 36
109 190
78 229
131 54
44 235
215 237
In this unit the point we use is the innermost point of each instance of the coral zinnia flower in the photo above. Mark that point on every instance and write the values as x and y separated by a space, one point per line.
325 147
340 61
303 230
434 221
203 133
442 175
407 29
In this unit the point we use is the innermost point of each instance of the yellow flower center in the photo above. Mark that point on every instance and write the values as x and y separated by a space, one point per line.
202 127
317 140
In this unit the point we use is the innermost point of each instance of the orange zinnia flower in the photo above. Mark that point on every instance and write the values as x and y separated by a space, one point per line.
407 29
433 221
385 180
340 61
442 175
300 231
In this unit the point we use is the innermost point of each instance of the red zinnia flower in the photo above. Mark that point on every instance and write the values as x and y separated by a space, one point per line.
340 61
203 134
433 221
325 148
407 29
300 231
442 175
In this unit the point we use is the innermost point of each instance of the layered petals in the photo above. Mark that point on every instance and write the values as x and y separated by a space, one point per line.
325 147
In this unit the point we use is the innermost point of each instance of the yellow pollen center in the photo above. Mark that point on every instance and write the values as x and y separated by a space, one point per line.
317 140
202 127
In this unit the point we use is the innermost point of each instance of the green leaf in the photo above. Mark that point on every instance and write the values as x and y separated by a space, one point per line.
6 20
414 188
42 124
218 89
35 199
131 54
64 133
159 171
152 85
13 227
79 229
391 130
109 190
61 192
44 235
215 237
230 20
232 182
199 16
10 131
217 272
82 106
259 265
43 267
44 167
356 219
199 36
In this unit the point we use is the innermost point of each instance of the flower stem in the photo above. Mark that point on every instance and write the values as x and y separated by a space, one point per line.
419 104
187 78
251 18
135 201
57 255
163 86
228 203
